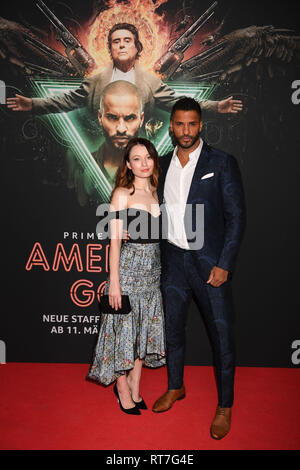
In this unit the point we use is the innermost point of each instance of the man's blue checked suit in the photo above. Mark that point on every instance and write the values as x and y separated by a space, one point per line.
185 272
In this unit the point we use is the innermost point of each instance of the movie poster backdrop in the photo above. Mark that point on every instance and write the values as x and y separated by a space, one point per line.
55 261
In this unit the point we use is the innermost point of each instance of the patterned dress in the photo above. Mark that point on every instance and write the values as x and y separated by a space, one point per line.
141 333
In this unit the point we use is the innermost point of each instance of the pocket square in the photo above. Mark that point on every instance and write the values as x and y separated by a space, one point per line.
208 175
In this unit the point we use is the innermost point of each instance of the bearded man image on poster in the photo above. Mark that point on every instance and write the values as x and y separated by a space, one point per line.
124 47
120 116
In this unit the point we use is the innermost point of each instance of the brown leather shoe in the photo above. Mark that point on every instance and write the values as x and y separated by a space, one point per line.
221 423
165 402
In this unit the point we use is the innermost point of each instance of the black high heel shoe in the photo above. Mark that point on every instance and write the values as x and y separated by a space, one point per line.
141 405
130 411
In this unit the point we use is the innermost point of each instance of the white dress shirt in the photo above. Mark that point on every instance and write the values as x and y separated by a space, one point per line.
177 187
119 75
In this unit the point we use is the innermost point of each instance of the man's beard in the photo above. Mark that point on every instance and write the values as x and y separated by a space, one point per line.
179 143
124 65
116 145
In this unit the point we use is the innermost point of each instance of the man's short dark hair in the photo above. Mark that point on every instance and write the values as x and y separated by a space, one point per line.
132 29
186 104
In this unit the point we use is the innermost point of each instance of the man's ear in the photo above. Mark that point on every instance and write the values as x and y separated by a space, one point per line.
200 126
171 126
99 117
142 118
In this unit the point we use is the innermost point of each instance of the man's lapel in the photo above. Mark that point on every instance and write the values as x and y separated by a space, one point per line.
200 170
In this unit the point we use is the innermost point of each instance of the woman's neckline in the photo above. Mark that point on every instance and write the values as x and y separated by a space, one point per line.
143 210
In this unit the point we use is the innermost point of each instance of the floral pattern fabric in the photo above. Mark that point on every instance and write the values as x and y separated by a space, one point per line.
141 333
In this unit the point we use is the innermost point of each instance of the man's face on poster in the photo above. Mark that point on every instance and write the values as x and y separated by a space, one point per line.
123 49
121 119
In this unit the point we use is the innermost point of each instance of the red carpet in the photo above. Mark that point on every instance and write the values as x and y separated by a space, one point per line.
52 406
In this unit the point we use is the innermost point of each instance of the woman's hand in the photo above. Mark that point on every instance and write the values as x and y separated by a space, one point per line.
115 295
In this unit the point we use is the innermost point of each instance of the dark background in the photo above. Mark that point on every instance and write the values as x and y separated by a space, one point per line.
37 206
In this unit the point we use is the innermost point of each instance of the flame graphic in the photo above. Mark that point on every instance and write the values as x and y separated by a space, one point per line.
153 31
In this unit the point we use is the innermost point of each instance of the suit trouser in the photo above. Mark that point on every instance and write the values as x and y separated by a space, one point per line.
180 279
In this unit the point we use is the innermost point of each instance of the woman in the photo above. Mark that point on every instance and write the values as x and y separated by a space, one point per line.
127 341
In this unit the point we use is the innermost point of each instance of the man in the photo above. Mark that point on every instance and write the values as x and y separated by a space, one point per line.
125 47
120 115
197 174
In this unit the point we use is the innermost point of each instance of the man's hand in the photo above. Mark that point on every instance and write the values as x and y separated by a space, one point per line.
217 276
19 103
125 236
230 105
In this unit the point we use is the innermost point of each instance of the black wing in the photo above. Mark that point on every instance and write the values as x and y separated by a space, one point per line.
20 48
234 52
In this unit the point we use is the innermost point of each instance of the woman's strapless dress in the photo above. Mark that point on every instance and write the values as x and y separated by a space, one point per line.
141 333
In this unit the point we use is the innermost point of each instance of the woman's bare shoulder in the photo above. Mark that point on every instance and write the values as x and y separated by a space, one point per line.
119 199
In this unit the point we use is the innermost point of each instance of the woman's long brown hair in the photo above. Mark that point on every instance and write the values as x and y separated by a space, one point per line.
125 177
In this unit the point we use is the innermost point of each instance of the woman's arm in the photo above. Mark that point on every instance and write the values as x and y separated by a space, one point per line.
118 202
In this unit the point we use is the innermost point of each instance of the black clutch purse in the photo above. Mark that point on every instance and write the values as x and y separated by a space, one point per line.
106 308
